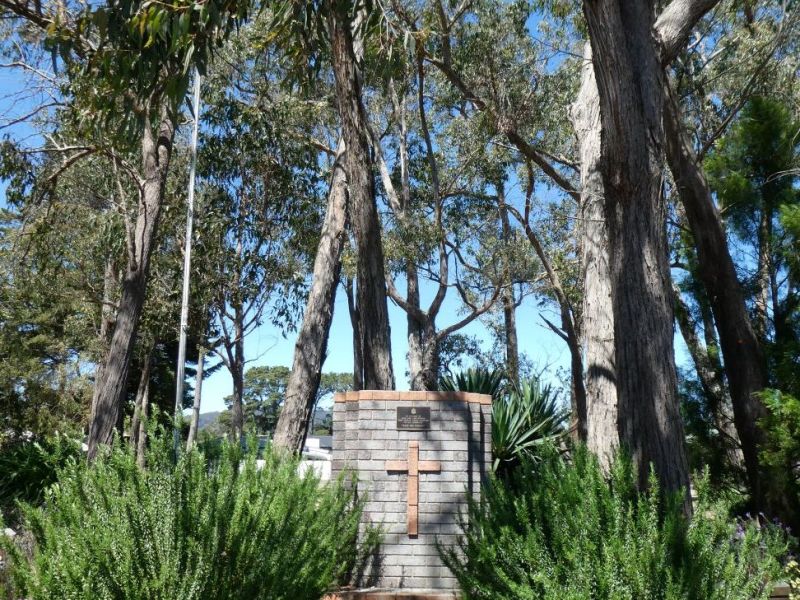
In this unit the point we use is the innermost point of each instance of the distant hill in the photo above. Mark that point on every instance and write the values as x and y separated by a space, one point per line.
207 419
210 418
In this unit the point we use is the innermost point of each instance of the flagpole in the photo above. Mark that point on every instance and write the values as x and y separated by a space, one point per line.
187 265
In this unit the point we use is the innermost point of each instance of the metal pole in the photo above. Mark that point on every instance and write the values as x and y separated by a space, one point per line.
187 264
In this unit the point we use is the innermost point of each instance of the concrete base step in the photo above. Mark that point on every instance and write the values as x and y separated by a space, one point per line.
395 594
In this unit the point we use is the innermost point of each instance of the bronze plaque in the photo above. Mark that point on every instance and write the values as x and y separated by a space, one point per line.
413 419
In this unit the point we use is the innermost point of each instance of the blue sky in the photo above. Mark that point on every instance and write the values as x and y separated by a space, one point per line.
267 346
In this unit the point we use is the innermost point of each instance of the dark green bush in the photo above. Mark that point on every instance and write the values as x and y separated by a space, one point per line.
477 381
525 417
523 421
560 531
186 530
28 468
780 454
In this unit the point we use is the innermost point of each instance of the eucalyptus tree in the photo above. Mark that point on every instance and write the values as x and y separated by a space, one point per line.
128 64
734 53
443 219
335 30
516 95
309 33
629 46
260 200
341 16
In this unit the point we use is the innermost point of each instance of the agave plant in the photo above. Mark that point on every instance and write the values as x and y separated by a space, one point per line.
523 418
477 381
522 421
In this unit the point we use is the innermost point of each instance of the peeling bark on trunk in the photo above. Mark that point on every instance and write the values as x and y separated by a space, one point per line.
112 385
745 365
600 377
630 85
371 292
198 398
312 340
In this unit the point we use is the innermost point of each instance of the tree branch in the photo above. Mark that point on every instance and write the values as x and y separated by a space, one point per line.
675 23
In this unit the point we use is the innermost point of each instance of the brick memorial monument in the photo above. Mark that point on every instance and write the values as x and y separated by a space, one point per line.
417 455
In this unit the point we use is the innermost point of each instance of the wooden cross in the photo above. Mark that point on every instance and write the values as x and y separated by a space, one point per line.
414 466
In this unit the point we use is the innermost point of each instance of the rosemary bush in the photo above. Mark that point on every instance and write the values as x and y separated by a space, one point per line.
188 529
558 530
28 468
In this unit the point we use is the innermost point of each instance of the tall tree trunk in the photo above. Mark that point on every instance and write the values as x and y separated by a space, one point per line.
371 292
141 440
745 365
629 82
415 327
510 334
107 319
198 397
429 373
509 304
600 377
144 380
237 373
156 153
312 340
358 350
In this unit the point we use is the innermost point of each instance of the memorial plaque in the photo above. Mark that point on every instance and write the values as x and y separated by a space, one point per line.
413 418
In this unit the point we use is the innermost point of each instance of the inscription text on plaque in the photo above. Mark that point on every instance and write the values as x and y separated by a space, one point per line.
413 418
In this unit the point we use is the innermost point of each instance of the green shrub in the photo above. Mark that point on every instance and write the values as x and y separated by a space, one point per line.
524 417
793 579
28 468
186 530
523 422
780 454
560 531
477 381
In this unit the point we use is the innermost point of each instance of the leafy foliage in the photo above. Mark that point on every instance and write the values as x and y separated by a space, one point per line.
781 450
560 530
191 529
524 417
522 422
477 381
28 468
125 55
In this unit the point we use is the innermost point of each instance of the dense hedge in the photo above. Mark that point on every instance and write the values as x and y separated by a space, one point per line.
559 530
188 529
